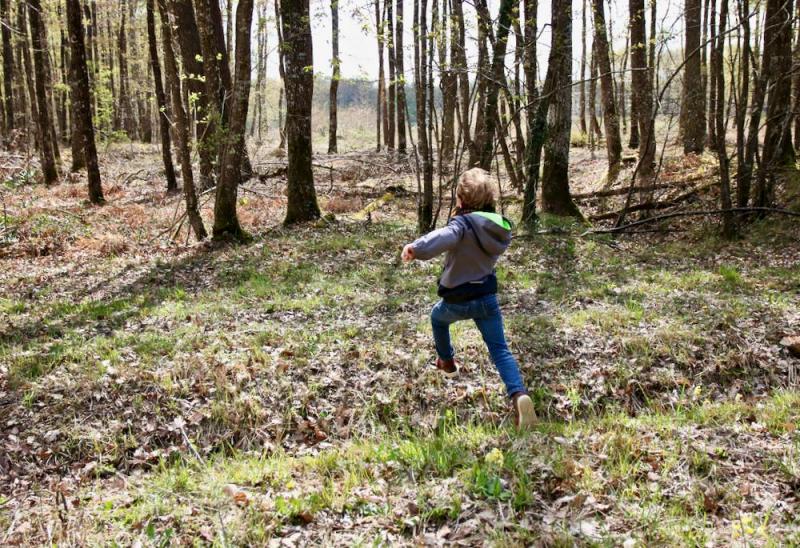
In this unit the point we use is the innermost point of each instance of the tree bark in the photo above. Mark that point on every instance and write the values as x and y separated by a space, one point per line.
299 55
610 119
399 67
391 102
161 100
491 115
332 123
534 116
425 204
81 102
226 221
43 118
582 81
181 124
460 68
642 91
8 68
693 105
728 227
711 135
380 109
192 61
777 66
742 186
556 198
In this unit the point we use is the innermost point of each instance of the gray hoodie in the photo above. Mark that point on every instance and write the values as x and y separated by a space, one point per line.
465 260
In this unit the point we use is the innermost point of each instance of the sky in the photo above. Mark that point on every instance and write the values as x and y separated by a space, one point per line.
358 44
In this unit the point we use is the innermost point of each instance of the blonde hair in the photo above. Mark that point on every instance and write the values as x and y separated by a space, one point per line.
476 190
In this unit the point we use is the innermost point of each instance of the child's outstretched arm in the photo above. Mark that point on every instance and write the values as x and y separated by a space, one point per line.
434 243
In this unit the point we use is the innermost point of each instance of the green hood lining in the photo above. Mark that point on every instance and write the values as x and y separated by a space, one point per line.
495 218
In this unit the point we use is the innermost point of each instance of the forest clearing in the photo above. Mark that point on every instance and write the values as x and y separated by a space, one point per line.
159 392
223 315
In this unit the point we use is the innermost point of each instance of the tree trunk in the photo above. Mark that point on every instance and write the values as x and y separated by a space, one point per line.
777 67
381 122
392 88
296 27
181 124
460 67
582 81
490 115
728 228
81 102
534 116
282 73
332 125
161 100
711 136
27 63
125 108
693 105
43 118
448 84
226 222
622 79
191 55
642 91
425 203
399 66
610 119
8 69
481 83
556 198
742 186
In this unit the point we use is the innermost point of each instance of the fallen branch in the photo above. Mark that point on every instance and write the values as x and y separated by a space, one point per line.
622 191
648 206
657 218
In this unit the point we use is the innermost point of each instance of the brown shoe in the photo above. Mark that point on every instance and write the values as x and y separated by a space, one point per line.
447 367
524 413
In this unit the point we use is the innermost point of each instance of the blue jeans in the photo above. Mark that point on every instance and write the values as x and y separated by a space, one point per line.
486 313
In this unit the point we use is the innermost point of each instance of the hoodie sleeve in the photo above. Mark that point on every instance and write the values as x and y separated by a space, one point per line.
434 243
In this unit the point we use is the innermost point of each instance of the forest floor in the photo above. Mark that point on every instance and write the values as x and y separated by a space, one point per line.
155 391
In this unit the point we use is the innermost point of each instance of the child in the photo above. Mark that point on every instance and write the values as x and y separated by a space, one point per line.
474 239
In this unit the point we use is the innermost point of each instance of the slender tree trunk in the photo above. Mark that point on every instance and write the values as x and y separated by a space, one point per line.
623 77
556 198
302 204
400 86
392 88
610 119
490 115
534 116
582 82
226 221
381 122
481 83
27 63
777 66
594 125
728 228
282 73
63 126
742 186
181 124
43 118
460 67
229 31
335 62
161 100
711 136
8 69
642 91
796 83
448 84
425 204
191 55
125 108
693 105
81 102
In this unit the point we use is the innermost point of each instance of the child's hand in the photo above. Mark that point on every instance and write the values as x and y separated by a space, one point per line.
408 253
